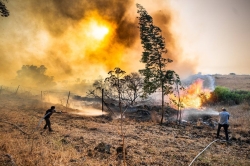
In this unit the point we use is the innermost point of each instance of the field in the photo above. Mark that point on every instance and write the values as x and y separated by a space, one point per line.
96 141
233 82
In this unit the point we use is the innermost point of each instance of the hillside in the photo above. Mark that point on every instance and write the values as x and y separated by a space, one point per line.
95 141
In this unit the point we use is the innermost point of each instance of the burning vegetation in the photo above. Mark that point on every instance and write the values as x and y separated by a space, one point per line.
79 139
121 106
194 95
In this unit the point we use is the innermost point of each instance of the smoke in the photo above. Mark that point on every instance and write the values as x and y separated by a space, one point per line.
59 35
195 114
60 15
75 106
34 76
208 81
89 112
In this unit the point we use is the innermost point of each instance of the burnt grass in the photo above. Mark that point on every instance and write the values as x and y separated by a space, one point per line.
82 140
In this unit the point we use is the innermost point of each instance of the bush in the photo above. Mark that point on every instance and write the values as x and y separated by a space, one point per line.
223 94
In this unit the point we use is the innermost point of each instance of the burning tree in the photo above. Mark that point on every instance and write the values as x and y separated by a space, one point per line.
156 75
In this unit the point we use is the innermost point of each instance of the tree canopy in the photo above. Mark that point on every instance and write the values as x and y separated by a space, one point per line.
155 73
3 10
34 76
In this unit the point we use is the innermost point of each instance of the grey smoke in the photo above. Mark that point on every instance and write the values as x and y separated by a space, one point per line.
208 81
194 114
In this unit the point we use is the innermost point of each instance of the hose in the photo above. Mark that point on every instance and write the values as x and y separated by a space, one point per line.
202 151
39 123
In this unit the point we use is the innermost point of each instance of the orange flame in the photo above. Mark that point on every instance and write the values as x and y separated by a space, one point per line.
193 95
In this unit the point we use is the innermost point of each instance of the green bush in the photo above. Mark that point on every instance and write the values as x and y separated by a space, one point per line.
223 94
248 96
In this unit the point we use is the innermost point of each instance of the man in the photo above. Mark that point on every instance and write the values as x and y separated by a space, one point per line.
223 122
48 113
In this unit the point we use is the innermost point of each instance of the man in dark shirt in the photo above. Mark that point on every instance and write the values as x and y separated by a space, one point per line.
48 113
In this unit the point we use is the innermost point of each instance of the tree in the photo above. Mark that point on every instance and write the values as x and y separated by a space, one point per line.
99 86
34 76
116 80
176 100
3 10
130 89
133 87
156 75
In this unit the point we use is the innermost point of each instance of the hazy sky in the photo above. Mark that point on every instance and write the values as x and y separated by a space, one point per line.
216 32
208 36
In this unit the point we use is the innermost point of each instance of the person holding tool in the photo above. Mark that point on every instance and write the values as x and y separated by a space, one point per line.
223 122
48 113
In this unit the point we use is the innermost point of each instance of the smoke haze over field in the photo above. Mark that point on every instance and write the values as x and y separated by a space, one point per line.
64 36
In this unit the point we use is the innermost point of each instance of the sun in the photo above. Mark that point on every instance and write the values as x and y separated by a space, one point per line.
98 32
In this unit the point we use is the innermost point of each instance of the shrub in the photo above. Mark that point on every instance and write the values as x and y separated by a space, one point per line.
223 94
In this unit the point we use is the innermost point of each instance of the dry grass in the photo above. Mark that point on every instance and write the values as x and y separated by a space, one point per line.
76 137
233 82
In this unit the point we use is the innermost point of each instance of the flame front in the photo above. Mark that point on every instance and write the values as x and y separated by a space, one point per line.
193 95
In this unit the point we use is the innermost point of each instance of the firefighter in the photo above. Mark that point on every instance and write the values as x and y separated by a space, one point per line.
223 122
48 113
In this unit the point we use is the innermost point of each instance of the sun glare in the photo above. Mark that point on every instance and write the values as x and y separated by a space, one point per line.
98 31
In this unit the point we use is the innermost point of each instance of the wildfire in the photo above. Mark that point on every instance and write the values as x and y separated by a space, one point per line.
193 95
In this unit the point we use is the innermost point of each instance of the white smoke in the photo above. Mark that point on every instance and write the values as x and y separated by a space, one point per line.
208 81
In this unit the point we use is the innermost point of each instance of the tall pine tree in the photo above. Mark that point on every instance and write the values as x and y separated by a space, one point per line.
155 73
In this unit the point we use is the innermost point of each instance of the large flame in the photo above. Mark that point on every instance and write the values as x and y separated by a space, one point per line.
193 95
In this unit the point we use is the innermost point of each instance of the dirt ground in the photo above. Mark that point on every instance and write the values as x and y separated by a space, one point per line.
96 141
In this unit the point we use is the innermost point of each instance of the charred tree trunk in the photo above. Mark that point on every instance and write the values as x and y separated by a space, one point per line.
162 102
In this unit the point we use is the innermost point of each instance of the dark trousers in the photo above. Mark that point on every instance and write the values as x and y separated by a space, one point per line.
47 124
225 126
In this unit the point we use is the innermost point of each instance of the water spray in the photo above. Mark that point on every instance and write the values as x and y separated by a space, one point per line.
192 112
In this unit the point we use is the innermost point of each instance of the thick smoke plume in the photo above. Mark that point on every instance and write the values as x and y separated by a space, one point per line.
59 35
